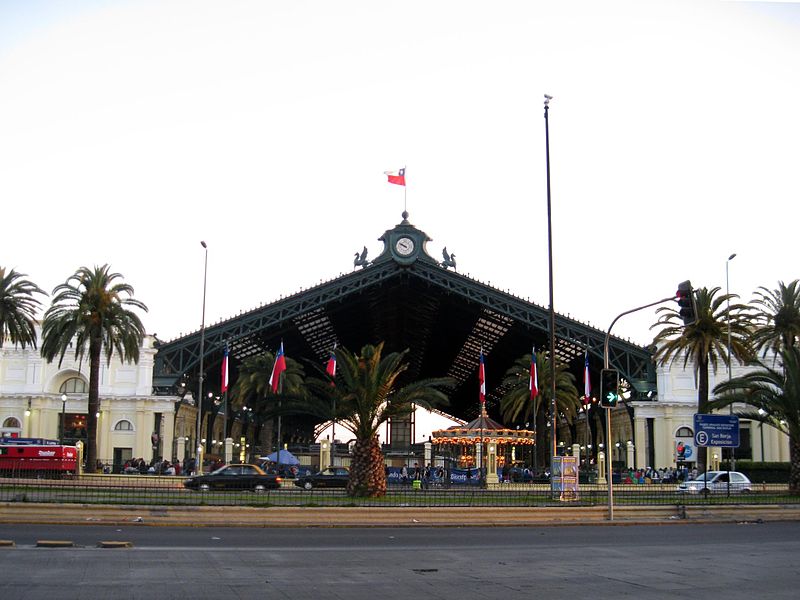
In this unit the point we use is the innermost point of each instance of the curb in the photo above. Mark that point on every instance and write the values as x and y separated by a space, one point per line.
330 517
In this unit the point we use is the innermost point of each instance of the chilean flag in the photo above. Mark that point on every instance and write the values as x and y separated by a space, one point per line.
330 368
482 380
277 368
397 177
587 383
224 385
534 384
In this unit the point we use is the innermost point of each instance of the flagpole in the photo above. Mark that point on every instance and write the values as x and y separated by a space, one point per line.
405 194
333 430
550 261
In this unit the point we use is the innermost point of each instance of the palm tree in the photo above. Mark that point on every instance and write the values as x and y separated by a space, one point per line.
91 311
18 308
777 317
252 388
516 405
704 342
366 395
774 393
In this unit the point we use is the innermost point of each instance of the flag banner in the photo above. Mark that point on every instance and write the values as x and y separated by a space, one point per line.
277 368
330 368
587 383
534 384
482 380
224 378
397 177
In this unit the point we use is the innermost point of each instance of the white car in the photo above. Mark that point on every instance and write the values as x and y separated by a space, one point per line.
716 482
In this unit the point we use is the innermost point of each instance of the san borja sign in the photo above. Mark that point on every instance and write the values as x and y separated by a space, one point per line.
721 431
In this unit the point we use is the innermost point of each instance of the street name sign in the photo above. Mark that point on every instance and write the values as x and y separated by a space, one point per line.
720 431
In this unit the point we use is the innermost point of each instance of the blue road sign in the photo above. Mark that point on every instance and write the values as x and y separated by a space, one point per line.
721 431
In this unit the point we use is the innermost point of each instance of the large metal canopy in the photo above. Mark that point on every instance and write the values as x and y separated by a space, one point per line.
407 299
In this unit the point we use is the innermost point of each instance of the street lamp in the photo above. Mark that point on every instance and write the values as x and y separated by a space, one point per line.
732 466
763 413
199 456
63 416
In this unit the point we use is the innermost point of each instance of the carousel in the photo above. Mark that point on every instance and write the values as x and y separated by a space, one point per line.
464 445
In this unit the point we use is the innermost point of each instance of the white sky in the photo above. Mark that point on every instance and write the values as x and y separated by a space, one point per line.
131 130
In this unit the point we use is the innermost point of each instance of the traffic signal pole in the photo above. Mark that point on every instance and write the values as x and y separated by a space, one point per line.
608 409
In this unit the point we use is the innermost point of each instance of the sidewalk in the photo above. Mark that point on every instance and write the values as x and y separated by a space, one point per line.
215 516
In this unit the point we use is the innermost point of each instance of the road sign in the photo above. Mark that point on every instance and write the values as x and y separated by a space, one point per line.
721 431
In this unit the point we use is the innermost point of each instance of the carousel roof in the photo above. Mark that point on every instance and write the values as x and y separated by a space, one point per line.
483 428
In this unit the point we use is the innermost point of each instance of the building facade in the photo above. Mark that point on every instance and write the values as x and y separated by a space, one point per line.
47 400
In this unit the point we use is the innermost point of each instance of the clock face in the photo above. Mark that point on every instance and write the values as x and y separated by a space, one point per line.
404 246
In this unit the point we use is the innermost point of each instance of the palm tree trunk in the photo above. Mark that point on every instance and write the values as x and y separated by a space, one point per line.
94 404
367 471
794 468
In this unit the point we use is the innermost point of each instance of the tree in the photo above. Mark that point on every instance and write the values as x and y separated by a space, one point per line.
777 318
774 393
366 394
18 308
252 388
516 405
705 342
91 311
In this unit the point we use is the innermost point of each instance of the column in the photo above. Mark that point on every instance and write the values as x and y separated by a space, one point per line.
324 454
640 453
491 463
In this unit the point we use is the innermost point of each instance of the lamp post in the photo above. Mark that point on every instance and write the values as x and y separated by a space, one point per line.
199 450
553 435
63 416
762 413
732 464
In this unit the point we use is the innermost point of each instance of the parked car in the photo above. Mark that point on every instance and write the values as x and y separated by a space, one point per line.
234 477
332 477
716 482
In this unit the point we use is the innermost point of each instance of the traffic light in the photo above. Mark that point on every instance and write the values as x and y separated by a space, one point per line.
609 388
685 298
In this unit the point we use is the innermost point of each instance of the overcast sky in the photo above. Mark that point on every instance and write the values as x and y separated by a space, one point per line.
131 130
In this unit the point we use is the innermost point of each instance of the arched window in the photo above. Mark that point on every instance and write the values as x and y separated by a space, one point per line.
73 385
123 425
684 432
11 423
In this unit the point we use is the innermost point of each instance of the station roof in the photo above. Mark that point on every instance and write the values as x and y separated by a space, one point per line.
407 299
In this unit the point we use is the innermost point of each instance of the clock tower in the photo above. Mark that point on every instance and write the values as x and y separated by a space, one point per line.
405 244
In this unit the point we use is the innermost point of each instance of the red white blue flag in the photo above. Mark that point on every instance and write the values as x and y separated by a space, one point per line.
534 384
277 368
397 177
330 368
482 380
587 383
224 379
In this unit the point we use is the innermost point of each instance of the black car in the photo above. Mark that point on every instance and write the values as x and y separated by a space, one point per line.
332 477
234 477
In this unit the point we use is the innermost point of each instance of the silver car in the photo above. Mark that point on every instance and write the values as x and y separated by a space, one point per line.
716 482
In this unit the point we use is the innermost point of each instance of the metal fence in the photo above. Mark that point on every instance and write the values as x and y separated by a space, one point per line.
170 491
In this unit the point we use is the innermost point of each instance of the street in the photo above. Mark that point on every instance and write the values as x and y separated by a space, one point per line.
729 561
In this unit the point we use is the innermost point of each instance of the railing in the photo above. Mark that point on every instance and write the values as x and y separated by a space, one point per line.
169 490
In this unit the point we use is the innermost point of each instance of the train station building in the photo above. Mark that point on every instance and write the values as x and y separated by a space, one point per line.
403 297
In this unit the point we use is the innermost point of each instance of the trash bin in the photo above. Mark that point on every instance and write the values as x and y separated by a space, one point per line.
416 484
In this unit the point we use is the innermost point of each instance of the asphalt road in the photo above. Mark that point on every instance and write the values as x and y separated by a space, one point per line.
670 561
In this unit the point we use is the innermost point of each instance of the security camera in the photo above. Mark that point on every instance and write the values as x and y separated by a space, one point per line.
548 97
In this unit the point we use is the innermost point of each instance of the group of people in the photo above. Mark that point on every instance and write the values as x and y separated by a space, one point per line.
427 475
663 475
157 466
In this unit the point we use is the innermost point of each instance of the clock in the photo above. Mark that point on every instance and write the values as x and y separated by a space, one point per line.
404 246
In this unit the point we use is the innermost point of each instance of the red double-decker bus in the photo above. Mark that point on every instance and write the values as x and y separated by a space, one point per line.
37 457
